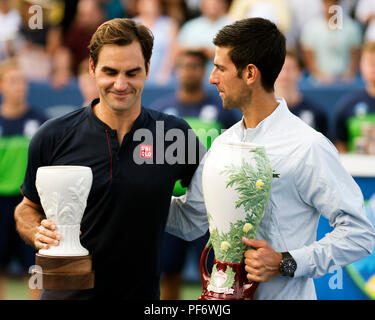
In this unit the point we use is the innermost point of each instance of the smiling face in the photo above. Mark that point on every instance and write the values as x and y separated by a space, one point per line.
232 89
120 76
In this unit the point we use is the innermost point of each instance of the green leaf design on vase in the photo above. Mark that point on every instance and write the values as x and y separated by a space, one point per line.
252 181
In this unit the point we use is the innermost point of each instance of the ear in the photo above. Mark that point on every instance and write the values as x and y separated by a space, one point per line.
250 74
148 72
91 67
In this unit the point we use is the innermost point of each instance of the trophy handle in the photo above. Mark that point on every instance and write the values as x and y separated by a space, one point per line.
205 276
249 289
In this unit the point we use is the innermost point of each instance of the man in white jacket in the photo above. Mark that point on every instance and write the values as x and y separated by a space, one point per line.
286 256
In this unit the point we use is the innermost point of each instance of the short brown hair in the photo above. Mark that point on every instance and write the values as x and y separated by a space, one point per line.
121 32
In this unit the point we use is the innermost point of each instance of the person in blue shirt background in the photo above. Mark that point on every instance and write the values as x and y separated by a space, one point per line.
18 123
286 86
357 108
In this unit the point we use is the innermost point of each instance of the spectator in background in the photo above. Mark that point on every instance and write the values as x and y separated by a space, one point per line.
18 123
365 13
70 8
301 12
286 87
41 55
164 29
356 109
114 8
274 10
10 24
177 9
331 51
203 111
191 99
130 8
87 84
192 9
197 34
89 16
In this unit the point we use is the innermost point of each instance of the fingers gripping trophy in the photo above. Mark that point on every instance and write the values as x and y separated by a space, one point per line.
63 192
236 182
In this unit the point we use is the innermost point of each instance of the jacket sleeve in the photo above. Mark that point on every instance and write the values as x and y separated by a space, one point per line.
324 184
187 217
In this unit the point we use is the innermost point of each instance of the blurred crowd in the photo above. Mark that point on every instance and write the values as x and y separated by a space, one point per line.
327 35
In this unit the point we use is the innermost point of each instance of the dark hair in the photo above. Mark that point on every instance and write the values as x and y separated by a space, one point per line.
255 41
122 32
195 53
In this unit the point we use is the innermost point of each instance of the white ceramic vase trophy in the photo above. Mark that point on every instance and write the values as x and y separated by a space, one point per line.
63 192
236 183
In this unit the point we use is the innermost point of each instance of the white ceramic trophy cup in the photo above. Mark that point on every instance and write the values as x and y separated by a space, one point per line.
236 185
63 192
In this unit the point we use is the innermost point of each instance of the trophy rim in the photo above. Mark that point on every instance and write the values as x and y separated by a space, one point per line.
63 168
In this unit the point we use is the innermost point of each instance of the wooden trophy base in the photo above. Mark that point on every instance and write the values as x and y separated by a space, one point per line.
65 273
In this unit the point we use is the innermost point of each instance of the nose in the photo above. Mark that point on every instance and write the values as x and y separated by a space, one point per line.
213 78
121 83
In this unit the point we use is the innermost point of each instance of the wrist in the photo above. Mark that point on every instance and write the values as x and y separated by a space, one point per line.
288 265
279 260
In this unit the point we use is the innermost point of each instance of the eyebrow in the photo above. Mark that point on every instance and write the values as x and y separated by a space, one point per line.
109 69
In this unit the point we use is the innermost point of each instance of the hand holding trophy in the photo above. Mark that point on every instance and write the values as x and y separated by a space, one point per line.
236 182
63 192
